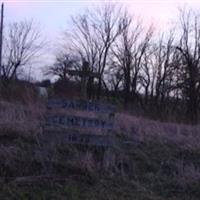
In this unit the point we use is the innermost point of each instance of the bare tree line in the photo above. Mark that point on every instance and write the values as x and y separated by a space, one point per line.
158 73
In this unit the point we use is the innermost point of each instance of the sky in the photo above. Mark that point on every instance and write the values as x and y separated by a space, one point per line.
54 15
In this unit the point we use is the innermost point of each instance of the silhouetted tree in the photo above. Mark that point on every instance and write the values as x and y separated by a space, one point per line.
92 36
128 52
189 49
61 66
157 75
22 43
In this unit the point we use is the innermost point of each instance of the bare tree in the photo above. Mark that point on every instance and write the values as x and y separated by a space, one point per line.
82 41
92 36
157 74
108 24
128 53
122 55
63 63
22 43
189 48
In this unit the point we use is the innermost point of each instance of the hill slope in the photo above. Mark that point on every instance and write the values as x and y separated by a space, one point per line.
162 161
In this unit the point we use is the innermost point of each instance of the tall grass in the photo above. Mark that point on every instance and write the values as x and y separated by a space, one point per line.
21 119
162 156
141 129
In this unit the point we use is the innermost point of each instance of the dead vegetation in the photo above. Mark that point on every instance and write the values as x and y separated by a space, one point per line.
161 161
22 119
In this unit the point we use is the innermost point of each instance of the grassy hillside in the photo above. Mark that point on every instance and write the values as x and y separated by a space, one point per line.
162 161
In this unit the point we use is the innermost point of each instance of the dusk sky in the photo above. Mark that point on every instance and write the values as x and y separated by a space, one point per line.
54 16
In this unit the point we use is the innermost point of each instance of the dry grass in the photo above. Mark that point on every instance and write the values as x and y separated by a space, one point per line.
20 119
141 129
187 175
164 156
171 149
